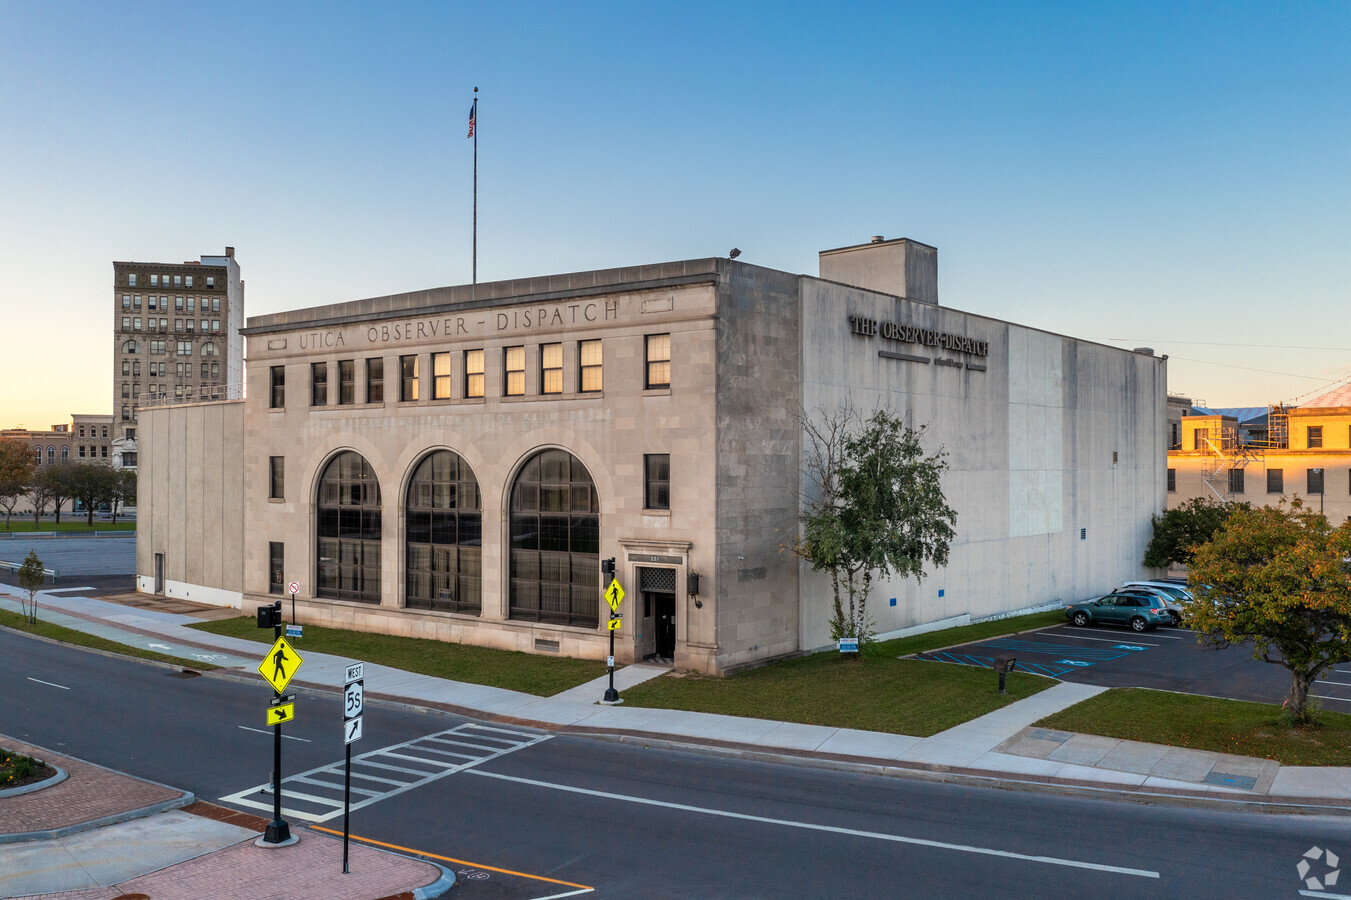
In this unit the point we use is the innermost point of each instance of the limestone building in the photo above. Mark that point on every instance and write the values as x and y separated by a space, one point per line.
176 338
456 462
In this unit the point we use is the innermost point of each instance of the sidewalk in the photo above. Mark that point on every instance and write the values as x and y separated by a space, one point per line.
100 834
1001 745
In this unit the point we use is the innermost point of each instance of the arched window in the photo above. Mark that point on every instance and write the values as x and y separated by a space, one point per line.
130 347
349 530
555 541
51 456
37 456
445 535
65 454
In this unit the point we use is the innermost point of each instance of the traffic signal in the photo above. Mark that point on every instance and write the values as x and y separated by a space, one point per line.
607 566
269 616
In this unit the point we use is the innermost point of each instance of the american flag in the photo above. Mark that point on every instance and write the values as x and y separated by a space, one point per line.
471 120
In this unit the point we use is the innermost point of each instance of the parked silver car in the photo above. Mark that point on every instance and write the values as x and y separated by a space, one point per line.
1175 596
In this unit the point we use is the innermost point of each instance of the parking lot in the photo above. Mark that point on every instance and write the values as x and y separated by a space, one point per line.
1169 659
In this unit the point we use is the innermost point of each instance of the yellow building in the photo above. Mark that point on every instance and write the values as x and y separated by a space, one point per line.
1306 453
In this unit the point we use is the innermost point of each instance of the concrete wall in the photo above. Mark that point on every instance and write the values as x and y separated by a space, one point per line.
190 484
1030 443
758 450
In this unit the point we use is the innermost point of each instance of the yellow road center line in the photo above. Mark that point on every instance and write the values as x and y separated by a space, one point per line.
458 862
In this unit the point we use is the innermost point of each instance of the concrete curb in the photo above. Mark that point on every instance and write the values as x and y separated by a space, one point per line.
185 799
437 887
60 776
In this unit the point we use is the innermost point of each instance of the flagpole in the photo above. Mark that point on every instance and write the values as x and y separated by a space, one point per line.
475 118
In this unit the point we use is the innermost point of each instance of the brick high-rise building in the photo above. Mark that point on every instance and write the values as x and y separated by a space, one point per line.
176 338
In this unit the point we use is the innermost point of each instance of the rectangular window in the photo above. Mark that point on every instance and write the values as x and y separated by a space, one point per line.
103 452
278 399
1315 436
1315 481
82 451
1196 439
157 348
126 323
215 304
152 304
658 361
136 301
136 367
126 390
178 324
211 281
407 378
551 369
126 301
131 282
163 324
178 281
187 282
192 303
318 384
276 477
154 281
1275 481
191 323
473 373
136 323
440 376
178 302
657 479
205 371
276 567
375 380
185 348
1235 481
347 379
514 365
215 326
126 370
589 363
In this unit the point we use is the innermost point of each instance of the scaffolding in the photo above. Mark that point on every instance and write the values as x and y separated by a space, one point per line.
1222 453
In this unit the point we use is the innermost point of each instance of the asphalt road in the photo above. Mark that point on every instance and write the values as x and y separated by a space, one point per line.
635 821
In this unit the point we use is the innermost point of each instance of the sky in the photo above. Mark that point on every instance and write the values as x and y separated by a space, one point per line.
1173 175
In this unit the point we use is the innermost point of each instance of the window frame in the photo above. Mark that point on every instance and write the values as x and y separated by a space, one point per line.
585 369
513 364
1315 476
375 379
276 478
276 380
347 382
1276 477
653 484
551 370
649 361
441 380
1314 436
474 374
319 384
408 378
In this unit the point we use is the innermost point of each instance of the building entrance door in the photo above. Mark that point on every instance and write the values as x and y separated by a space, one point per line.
658 589
664 606
159 573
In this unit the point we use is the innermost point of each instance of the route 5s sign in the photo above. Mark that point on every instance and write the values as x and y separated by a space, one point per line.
353 701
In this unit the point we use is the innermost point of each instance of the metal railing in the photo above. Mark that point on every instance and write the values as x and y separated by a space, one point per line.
211 394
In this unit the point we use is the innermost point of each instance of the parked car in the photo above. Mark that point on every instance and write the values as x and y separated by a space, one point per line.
1141 611
1176 596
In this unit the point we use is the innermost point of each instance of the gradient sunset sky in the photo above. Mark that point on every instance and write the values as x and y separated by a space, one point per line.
1173 175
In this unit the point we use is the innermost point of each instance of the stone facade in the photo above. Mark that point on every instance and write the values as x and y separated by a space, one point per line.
1057 451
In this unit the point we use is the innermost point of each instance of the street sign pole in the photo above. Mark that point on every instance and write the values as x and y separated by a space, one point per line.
614 593
353 703
611 695
278 831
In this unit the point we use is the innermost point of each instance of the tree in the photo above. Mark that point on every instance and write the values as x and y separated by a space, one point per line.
1277 576
30 579
59 486
16 470
91 484
122 490
875 506
40 492
1179 530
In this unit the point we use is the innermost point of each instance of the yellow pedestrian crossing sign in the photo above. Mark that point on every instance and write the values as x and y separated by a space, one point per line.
277 715
614 624
281 662
614 594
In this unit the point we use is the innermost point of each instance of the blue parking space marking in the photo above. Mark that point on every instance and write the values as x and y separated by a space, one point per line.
1065 657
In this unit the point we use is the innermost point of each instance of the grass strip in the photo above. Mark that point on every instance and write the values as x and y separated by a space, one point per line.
529 673
16 622
965 634
872 693
18 526
1208 723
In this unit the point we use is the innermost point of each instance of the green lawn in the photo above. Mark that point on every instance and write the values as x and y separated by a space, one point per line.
876 692
1206 723
70 636
75 525
527 672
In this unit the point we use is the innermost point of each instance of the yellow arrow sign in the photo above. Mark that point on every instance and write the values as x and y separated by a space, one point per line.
614 594
280 664
276 715
614 624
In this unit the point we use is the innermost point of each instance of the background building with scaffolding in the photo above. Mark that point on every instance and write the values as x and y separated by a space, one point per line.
1261 454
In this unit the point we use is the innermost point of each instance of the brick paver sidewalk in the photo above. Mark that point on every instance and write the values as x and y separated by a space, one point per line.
90 793
309 869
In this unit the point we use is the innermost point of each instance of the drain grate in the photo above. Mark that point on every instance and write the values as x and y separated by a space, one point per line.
1246 782
185 673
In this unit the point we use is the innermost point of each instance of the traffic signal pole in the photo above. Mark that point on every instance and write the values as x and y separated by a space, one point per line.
607 567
